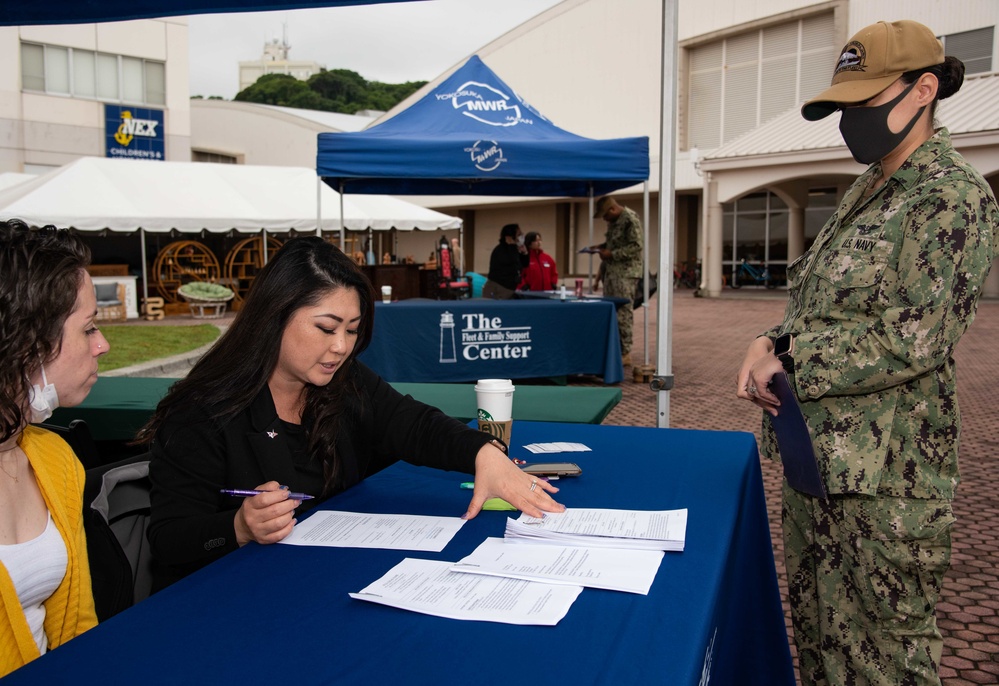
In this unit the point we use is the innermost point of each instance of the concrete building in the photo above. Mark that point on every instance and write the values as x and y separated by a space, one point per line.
114 89
274 60
250 133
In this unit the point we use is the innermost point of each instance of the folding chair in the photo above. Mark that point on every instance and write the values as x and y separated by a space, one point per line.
115 518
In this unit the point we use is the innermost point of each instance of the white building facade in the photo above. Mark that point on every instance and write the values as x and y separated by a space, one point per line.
110 89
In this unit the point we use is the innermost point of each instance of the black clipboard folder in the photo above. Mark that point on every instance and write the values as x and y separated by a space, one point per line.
795 443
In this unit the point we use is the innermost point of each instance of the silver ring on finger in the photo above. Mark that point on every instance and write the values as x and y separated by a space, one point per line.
534 485
752 390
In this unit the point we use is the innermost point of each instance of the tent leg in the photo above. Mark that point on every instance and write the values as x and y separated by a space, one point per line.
662 381
645 268
589 213
343 227
319 206
145 269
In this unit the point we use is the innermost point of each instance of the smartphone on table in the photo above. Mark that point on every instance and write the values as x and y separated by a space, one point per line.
553 469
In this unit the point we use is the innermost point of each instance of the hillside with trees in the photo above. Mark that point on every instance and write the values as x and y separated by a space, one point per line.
334 90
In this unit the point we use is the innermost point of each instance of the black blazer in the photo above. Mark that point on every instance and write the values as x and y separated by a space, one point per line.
193 456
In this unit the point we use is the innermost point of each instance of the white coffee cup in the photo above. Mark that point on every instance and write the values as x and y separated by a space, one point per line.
386 294
494 399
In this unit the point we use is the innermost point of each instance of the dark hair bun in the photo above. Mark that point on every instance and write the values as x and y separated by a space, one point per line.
950 76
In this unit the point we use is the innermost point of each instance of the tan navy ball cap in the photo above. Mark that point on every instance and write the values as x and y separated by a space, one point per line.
601 206
872 60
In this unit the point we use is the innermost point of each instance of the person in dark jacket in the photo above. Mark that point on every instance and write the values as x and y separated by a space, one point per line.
505 264
541 273
281 405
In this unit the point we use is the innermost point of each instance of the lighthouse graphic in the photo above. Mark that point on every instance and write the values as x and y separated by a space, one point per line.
447 338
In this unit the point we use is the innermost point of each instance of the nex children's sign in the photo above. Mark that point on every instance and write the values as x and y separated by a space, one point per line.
134 133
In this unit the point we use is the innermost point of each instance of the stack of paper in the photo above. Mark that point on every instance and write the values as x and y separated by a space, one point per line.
632 571
638 529
430 587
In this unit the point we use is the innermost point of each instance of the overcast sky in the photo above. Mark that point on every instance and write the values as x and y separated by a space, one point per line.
394 42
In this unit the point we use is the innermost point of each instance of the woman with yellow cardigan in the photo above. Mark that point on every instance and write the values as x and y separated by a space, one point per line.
50 348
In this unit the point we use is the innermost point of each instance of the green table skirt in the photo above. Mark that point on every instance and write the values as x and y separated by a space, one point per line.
118 407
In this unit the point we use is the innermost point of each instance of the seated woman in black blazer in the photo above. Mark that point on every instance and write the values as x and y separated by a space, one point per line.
280 404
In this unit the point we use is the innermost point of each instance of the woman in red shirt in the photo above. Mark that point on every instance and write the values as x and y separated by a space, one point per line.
540 273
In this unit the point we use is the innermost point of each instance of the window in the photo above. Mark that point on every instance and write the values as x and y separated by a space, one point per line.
739 82
88 74
755 229
974 48
205 156
32 67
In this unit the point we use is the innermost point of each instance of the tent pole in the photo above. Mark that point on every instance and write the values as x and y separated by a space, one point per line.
645 269
589 213
319 206
343 228
662 381
145 276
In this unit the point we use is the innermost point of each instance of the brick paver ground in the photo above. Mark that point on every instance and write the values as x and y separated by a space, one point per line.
709 339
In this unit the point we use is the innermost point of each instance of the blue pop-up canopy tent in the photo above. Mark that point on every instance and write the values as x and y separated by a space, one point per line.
474 135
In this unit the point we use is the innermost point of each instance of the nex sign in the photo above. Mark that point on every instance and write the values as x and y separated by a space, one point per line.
130 127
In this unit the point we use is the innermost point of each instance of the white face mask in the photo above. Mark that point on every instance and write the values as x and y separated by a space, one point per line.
43 400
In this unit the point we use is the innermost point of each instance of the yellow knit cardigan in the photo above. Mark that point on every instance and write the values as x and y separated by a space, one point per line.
70 610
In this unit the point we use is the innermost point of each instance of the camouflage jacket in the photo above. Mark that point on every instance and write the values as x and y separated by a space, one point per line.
624 240
877 305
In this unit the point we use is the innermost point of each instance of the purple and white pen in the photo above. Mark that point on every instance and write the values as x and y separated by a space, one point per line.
243 493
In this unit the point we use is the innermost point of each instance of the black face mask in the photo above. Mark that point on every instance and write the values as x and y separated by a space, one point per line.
865 129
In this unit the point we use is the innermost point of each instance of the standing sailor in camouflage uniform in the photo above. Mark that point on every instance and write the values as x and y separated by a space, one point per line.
622 253
876 307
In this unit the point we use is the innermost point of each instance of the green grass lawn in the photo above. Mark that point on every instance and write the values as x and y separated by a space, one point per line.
134 344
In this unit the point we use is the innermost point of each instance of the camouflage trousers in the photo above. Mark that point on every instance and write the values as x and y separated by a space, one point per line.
622 287
864 576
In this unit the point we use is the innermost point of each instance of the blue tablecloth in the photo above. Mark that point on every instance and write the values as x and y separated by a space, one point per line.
467 340
273 613
570 295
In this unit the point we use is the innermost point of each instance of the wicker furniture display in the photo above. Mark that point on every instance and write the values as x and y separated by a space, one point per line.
110 301
244 260
207 300
182 262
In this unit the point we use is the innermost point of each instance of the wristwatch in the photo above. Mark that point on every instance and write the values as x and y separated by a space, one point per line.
784 351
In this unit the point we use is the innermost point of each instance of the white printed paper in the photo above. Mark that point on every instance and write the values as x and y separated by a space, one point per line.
561 447
632 571
431 588
360 530
637 529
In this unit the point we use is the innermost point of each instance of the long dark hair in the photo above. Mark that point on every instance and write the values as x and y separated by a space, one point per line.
40 275
231 374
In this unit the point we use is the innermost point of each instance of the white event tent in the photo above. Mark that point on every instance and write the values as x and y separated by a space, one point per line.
95 193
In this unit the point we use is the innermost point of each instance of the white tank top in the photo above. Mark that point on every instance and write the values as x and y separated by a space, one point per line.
36 567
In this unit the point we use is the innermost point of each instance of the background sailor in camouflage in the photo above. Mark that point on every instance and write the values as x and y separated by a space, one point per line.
876 306
622 255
